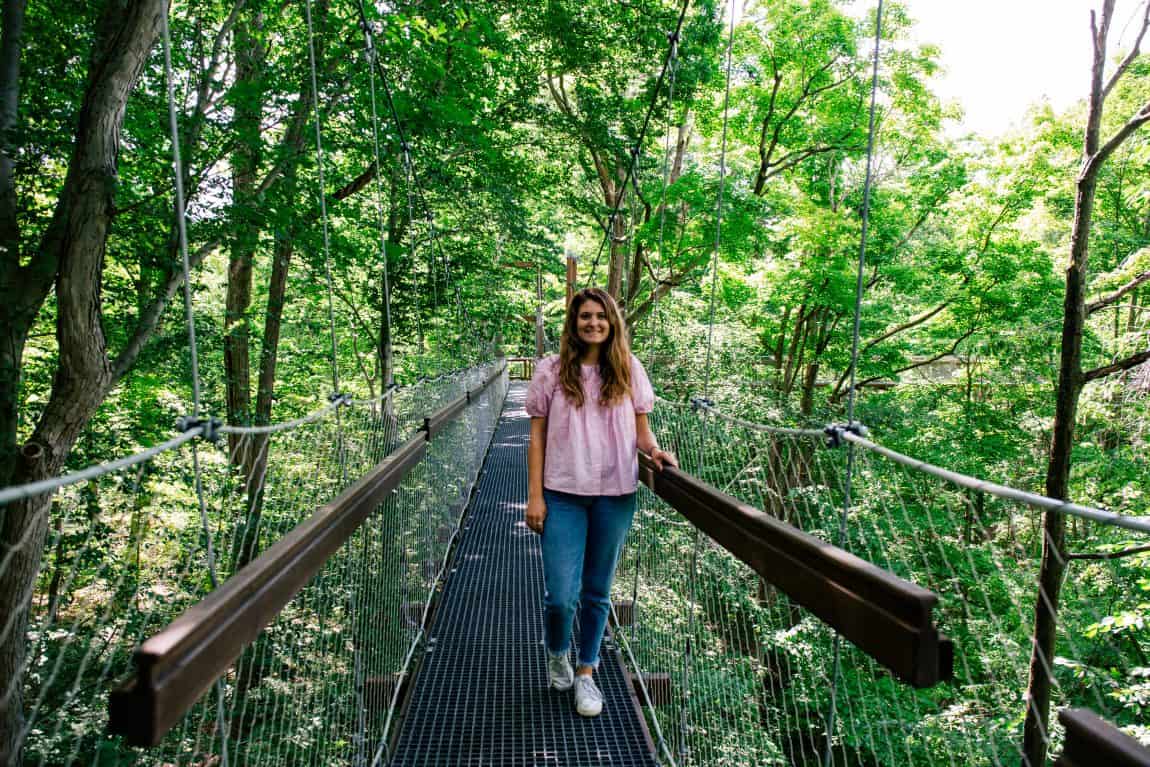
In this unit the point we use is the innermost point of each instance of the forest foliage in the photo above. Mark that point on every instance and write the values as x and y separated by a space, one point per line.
446 233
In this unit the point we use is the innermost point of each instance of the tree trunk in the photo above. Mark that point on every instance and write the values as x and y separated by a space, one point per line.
384 349
246 221
22 289
75 241
257 447
1036 730
618 246
1053 567
397 226
810 379
540 339
16 327
11 39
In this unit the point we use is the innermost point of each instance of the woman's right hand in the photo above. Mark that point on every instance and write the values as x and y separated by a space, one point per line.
536 513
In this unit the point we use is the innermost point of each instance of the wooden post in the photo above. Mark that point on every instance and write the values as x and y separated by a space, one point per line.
540 340
572 275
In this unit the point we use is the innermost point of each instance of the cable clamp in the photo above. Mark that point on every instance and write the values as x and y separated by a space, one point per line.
339 399
673 36
210 426
702 403
835 432
635 152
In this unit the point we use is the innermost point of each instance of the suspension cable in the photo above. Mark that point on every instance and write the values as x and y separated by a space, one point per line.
335 392
190 319
666 171
322 195
189 312
638 148
369 41
719 207
206 428
693 571
429 217
842 532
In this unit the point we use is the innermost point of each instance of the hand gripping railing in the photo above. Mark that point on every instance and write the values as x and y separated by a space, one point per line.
1093 742
177 665
883 615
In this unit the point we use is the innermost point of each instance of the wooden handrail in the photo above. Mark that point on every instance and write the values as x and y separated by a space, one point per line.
1091 741
495 376
433 424
177 665
883 615
528 366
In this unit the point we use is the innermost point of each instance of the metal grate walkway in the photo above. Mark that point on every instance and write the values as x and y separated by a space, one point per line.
480 698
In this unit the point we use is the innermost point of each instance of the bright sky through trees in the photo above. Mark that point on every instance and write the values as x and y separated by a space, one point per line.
1001 56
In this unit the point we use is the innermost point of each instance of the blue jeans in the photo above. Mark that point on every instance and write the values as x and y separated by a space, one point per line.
582 538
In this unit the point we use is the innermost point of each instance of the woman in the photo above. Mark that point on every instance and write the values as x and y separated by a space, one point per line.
588 408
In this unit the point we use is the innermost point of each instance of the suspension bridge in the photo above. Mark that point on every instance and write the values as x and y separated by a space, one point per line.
357 586
394 613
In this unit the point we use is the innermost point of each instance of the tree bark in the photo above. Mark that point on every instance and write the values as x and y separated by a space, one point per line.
246 221
22 289
75 241
1070 382
11 38
617 252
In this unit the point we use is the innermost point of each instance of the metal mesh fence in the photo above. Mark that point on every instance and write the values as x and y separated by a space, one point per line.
751 675
127 552
481 696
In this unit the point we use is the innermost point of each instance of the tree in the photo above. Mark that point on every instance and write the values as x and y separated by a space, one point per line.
1071 376
70 256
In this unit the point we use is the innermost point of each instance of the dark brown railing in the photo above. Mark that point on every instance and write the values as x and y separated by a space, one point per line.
883 615
176 666
1093 742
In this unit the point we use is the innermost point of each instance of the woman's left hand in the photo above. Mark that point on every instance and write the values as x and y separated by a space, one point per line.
663 458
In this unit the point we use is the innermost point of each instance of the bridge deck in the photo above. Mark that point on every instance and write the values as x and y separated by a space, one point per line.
481 697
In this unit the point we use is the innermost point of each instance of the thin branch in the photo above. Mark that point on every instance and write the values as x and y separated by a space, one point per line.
151 314
1123 307
1133 361
356 184
1111 554
1006 208
923 363
791 159
1110 298
911 323
1134 123
1131 56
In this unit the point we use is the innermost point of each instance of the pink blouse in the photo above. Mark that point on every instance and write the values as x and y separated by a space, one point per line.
591 450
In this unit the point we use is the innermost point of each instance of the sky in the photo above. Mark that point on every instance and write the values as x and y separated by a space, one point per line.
1001 56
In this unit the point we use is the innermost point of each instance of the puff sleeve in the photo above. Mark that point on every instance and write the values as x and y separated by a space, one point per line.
642 395
541 389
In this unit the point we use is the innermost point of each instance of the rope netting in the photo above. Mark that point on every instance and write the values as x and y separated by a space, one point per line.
128 552
750 675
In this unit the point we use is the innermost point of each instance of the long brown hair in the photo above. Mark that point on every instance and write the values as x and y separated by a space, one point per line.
614 353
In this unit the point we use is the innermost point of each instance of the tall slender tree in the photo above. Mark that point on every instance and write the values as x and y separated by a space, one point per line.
1071 376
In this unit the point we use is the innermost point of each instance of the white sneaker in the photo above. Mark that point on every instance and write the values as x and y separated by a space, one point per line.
588 699
560 671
